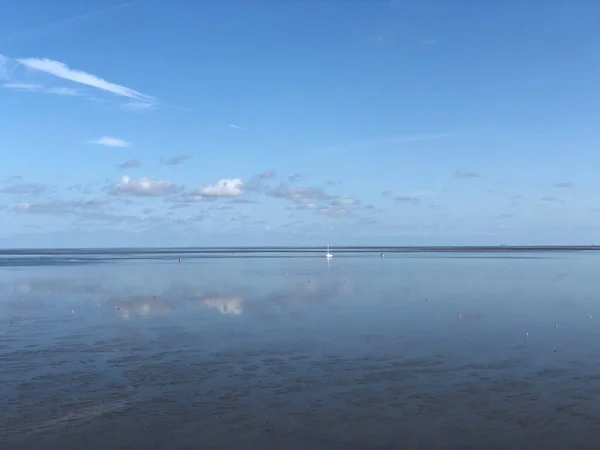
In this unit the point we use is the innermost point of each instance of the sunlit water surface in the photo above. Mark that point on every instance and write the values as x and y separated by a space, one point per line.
431 351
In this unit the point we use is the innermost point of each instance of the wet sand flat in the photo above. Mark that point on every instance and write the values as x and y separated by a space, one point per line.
408 351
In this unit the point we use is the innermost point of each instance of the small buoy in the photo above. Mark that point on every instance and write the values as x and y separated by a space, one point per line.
179 259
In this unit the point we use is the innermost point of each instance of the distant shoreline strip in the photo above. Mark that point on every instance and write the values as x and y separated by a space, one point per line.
343 249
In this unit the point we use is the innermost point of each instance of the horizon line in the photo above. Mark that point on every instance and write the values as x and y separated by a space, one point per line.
294 248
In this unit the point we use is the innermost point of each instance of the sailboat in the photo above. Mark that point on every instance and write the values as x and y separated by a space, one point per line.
328 255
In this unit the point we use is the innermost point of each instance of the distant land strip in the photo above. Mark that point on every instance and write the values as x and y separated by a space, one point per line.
281 249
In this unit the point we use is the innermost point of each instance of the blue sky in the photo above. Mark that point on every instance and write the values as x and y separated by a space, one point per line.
299 122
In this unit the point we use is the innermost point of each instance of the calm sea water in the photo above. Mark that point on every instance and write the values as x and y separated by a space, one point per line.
415 351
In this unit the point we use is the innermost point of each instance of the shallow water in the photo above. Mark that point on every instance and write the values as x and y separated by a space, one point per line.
427 351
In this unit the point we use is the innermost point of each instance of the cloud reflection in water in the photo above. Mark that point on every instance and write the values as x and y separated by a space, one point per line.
141 306
225 305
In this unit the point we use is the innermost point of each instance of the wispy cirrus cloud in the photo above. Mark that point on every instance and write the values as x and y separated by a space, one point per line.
108 141
39 88
63 71
62 91
235 127
136 106
175 160
57 24
3 67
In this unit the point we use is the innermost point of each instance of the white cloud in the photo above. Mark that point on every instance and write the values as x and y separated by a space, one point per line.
59 207
130 164
24 189
24 205
111 142
267 174
334 210
235 127
61 70
297 177
175 160
144 187
300 196
222 188
348 201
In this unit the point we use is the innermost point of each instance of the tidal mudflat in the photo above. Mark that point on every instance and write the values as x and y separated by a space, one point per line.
291 351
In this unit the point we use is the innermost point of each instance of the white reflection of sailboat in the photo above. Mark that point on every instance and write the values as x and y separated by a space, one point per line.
328 255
